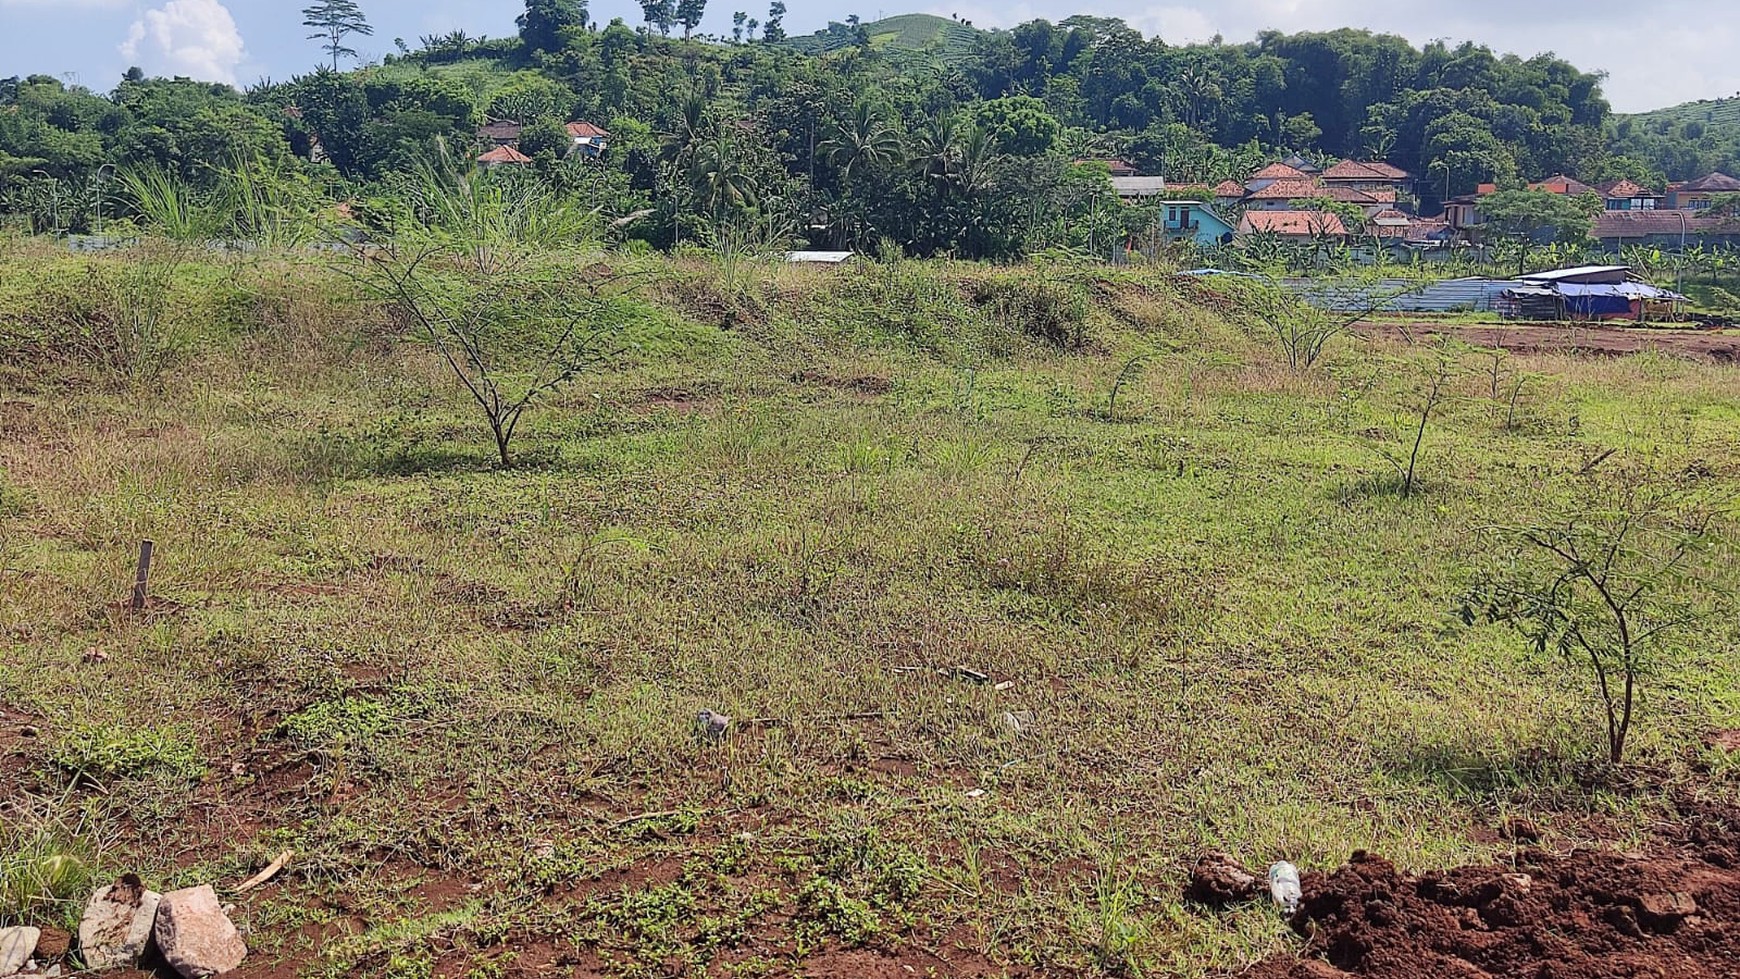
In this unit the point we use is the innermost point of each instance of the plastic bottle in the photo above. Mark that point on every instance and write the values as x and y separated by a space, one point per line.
1284 886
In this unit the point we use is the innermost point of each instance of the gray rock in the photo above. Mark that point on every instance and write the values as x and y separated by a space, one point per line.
116 927
195 936
17 945
711 726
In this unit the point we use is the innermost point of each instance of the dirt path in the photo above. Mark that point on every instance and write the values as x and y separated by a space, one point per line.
1532 338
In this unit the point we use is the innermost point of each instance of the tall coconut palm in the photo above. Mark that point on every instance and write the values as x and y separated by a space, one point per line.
1197 90
718 177
686 132
935 149
863 141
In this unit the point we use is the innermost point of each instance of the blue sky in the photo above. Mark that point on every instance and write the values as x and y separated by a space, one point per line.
1658 54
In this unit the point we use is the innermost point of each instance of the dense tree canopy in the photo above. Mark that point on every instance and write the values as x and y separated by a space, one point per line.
967 151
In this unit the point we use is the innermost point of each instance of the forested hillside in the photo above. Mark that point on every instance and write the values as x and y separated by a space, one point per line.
1684 140
919 130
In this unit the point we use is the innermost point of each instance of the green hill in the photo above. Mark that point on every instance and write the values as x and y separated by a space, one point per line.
904 32
1710 112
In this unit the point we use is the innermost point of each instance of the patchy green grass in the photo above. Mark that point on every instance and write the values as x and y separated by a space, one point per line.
465 696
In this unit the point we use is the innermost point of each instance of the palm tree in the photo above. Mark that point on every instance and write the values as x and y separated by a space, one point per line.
935 149
718 177
974 170
863 140
691 125
974 178
1196 89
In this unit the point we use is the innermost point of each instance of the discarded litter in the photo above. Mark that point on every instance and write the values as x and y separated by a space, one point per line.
1284 886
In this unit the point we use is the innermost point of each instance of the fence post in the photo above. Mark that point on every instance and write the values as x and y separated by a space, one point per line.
142 577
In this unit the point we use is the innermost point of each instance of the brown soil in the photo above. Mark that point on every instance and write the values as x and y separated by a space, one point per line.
1590 339
1672 912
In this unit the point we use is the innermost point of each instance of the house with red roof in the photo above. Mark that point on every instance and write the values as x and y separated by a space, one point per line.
1279 194
1117 168
1629 195
1293 225
589 140
504 156
1558 183
585 138
1367 176
1271 173
1699 194
1228 192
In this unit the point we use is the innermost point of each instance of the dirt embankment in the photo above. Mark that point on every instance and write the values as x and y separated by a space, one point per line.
1592 339
1670 912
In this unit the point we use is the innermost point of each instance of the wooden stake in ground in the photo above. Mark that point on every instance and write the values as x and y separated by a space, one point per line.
142 577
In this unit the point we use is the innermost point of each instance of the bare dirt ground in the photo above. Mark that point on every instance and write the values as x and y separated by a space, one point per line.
1549 338
1670 911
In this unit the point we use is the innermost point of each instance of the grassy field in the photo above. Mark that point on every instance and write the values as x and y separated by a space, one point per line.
465 696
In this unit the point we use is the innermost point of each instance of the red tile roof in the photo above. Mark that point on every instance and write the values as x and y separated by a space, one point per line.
1558 183
1348 195
504 154
586 130
1355 170
1624 190
1293 223
1278 171
1229 188
1637 224
1290 189
1715 183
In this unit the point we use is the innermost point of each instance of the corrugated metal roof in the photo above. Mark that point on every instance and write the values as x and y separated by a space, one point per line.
818 258
1138 186
1403 295
1611 272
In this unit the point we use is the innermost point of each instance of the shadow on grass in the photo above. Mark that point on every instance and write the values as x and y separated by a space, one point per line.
1380 486
1479 775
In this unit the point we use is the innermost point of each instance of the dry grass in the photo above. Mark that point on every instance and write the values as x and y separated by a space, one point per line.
447 686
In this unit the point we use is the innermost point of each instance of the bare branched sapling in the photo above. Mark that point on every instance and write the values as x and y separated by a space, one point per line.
1602 586
494 288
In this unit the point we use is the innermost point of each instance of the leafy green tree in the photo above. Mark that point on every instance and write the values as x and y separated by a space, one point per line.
738 19
333 21
659 14
1020 124
545 137
689 14
773 31
1523 218
545 23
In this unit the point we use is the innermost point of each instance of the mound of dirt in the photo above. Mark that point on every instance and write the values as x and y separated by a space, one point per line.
1672 912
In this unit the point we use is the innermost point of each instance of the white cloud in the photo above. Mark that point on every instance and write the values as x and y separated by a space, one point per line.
196 38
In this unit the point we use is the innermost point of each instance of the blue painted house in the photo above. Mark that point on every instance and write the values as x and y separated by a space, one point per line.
1196 221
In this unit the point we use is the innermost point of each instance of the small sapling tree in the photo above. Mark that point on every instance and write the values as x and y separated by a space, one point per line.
1304 321
1433 391
1602 586
493 272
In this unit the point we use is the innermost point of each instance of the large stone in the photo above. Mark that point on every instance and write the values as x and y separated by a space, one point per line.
117 924
195 936
17 945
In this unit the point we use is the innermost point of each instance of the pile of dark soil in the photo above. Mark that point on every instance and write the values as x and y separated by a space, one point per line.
1671 912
